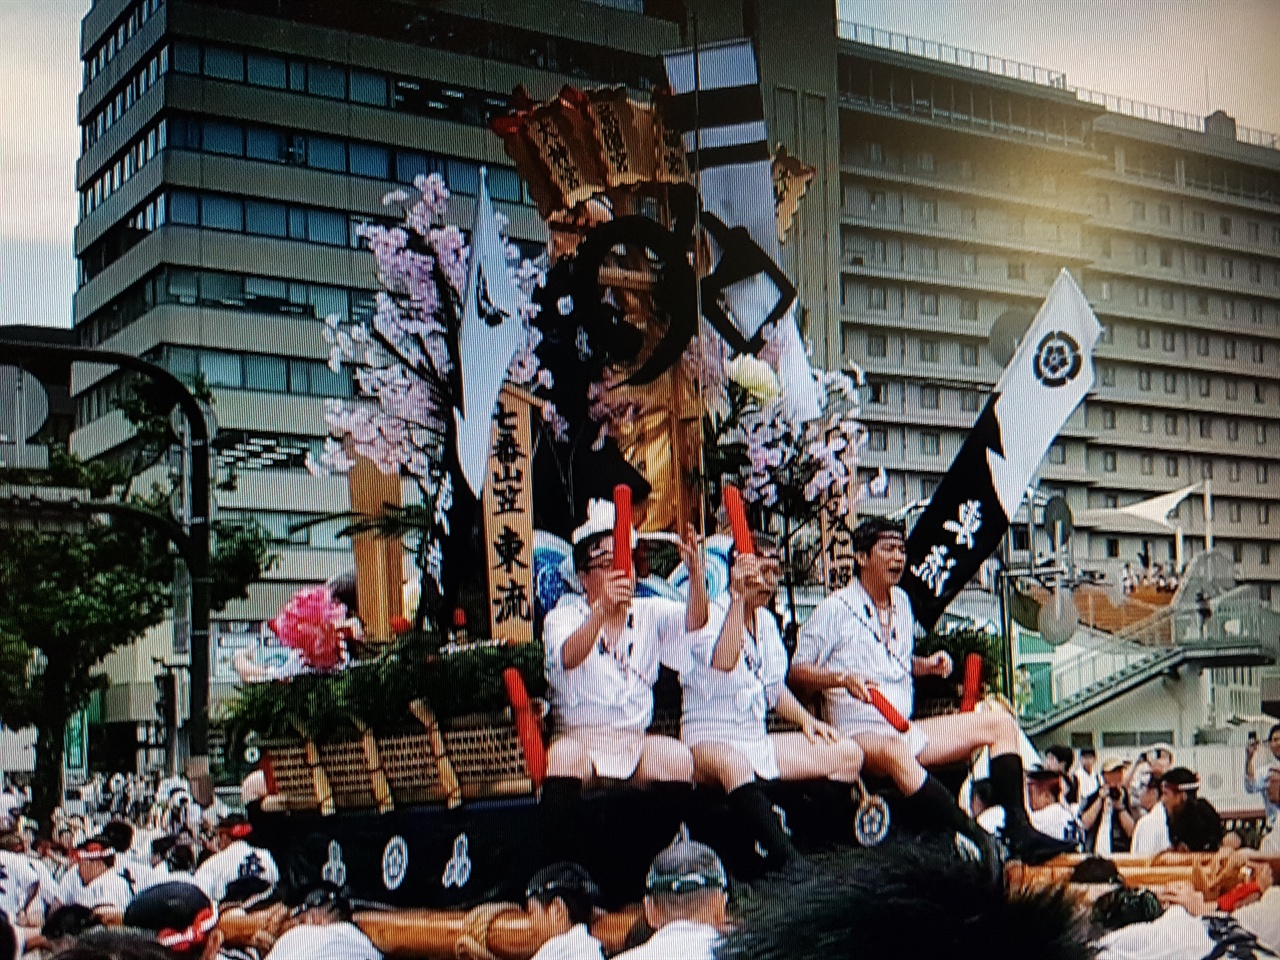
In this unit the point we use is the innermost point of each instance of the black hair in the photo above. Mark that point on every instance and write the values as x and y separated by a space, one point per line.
985 791
583 548
173 905
107 944
870 530
8 939
181 858
118 833
1123 907
1097 870
70 920
161 845
326 895
1088 752
905 899
1196 826
242 890
1275 728
569 883
1063 754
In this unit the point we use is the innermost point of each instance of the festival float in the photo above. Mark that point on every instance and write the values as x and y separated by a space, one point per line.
651 358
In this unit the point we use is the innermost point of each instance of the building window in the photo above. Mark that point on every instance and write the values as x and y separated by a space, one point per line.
1171 424
1229 348
1255 272
1113 548
1200 263
1148 465
1139 211
879 251
1108 334
1171 466
878 439
1264 554
1166 256
1206 469
969 263
877 345
1106 289
1233 511
925 160
1205 386
1144 337
1264 514
1170 382
1144 379
1237 553
1109 461
1233 434
878 298
1140 254
1144 296
877 392
1206 428
1261 473
876 152
930 258
970 401
1166 214
1228 269
1108 375
1259 392
968 354
968 308
876 201
1224 225
1202 345
1017 270
1259 353
1166 300
1197 220
930 398
1260 430
929 211
1169 341
929 304
930 351
1057 454
1144 421
1108 419
930 444
927 487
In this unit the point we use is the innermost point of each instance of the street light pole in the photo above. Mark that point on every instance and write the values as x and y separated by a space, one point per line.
198 533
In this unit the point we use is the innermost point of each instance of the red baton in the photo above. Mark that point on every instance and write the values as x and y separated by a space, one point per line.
742 540
622 528
528 730
972 682
887 710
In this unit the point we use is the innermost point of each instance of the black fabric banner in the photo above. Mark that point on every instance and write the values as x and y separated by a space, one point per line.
960 528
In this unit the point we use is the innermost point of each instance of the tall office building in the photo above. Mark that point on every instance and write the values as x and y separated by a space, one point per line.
230 147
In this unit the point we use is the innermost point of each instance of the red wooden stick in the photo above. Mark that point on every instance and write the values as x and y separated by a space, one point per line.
972 682
742 539
622 528
528 729
888 710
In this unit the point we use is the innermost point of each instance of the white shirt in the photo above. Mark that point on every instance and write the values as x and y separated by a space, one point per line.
239 859
577 943
1174 935
330 941
19 882
679 940
108 890
1151 832
613 686
1056 821
724 706
844 634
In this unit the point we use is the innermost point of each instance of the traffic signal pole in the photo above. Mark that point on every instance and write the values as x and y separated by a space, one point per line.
195 545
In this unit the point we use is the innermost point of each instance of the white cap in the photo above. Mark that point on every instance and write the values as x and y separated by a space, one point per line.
600 519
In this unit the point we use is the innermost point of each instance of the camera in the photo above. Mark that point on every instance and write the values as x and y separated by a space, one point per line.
1253 736
1115 793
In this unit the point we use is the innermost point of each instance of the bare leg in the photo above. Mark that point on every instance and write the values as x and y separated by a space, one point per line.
663 760
957 736
800 759
569 758
889 755
722 765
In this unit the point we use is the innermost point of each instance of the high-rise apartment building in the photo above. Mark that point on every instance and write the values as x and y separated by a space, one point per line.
230 147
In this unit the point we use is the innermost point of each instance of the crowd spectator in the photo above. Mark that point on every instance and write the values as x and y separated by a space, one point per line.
1256 771
686 904
1087 778
324 929
1060 759
561 901
1109 814
1050 812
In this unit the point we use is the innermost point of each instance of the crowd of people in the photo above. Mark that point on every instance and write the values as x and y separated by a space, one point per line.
133 867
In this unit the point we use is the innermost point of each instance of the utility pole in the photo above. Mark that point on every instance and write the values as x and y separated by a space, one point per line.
195 541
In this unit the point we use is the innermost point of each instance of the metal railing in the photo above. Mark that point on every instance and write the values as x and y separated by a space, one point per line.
1030 73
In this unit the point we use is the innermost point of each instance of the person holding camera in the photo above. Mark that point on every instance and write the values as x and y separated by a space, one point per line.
1257 771
1107 815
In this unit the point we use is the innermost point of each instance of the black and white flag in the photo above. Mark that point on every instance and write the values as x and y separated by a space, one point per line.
492 330
1049 375
726 138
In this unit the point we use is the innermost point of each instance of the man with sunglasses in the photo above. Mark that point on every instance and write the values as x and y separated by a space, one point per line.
604 647
860 641
734 674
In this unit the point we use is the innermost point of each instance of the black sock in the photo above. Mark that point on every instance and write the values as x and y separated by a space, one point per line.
560 810
755 807
934 806
671 799
1025 841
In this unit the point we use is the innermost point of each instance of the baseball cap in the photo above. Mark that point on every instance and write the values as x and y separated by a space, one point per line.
1041 772
1112 764
686 867
180 913
1180 778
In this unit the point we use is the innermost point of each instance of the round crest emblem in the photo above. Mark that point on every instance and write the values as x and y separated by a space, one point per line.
1057 361
395 862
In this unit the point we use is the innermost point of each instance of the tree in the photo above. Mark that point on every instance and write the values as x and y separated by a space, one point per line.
75 587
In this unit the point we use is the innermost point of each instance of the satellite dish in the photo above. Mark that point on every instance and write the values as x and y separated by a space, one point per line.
1007 332
1059 618
1058 522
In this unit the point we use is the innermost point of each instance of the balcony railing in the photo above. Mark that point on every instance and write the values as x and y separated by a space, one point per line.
1029 73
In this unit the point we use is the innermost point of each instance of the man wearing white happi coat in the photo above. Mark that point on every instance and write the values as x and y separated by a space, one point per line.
735 672
603 650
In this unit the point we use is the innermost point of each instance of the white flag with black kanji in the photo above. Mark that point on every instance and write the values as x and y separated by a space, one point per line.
1049 375
492 330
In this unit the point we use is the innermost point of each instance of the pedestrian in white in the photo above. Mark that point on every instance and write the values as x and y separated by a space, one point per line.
560 901
237 859
94 883
324 931
686 903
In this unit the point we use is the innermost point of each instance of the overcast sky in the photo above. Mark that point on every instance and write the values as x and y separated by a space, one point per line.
1169 52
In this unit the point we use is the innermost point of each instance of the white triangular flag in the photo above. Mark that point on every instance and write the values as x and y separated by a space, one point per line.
1043 383
492 331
